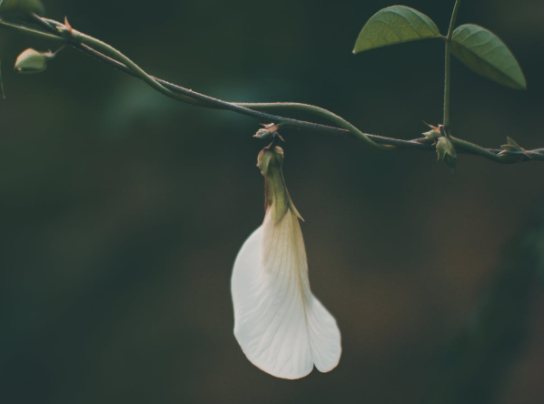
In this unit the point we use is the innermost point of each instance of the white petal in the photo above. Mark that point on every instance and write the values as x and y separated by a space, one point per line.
282 328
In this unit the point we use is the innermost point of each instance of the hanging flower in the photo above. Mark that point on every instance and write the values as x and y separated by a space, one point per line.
281 327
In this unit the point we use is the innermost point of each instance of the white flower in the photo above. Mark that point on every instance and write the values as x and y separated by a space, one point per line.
281 327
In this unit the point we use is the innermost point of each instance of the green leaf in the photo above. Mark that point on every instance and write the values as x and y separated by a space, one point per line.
393 25
485 54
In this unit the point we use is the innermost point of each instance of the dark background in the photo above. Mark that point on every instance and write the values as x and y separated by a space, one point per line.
122 211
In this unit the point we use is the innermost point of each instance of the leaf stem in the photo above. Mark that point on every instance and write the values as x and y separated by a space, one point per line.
446 105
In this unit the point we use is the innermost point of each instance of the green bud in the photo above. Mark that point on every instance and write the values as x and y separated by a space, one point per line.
434 133
31 61
512 146
22 9
269 162
268 131
262 133
446 152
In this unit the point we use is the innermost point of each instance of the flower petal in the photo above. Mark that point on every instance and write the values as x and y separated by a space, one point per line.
282 328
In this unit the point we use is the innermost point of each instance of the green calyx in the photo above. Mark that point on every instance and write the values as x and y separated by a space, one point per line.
446 152
269 162
443 145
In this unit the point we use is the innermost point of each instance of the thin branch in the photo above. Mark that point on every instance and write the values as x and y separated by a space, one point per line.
112 57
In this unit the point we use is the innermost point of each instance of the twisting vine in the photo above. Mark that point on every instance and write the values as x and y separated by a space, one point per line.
438 139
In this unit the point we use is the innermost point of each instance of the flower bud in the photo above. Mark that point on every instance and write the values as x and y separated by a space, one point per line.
31 61
434 133
512 146
269 130
446 152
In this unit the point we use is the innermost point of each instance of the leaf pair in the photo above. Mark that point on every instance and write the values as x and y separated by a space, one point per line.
476 47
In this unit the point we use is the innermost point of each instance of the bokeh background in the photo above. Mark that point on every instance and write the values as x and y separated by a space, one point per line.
121 211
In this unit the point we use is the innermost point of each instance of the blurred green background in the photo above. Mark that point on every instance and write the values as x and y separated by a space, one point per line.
122 211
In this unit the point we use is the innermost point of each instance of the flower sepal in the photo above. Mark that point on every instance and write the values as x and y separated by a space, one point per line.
277 197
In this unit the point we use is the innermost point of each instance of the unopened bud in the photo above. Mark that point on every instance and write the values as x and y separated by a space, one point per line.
434 133
31 61
446 152
268 131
